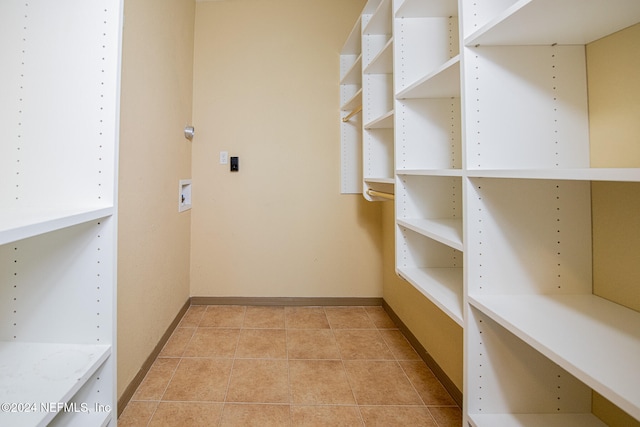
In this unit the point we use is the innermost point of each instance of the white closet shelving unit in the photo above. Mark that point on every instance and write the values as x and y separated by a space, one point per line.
351 112
377 98
538 341
429 210
366 104
489 121
59 92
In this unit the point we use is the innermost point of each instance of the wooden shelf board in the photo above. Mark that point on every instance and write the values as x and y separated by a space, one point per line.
536 420
446 231
443 82
16 225
545 22
595 340
443 287
43 372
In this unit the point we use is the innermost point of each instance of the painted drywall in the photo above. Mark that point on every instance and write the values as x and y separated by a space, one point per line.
266 89
612 72
616 242
438 334
613 66
153 238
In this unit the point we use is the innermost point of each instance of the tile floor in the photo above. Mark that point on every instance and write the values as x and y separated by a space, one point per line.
289 366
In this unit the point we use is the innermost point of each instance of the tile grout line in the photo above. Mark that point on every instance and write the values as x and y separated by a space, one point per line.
153 413
359 406
173 372
355 400
233 363
424 404
290 391
397 360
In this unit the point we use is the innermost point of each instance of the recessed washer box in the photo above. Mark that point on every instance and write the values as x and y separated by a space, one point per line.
184 195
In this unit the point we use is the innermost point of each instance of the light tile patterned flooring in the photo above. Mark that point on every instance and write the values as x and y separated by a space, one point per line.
289 366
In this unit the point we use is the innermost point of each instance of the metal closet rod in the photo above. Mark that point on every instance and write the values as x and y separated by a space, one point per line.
351 114
374 193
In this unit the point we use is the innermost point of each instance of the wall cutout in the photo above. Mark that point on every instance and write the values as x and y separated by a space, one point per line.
184 195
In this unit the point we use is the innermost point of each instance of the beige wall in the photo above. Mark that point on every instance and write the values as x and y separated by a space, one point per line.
614 89
438 334
266 89
154 239
613 64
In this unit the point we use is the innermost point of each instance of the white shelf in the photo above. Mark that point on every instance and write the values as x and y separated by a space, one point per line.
446 231
41 373
353 102
443 286
536 420
98 419
382 63
430 172
353 76
595 340
380 22
16 225
586 174
420 8
377 145
370 7
545 22
354 42
383 122
444 82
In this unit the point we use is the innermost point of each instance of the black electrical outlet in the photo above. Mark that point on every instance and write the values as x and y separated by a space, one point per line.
235 164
